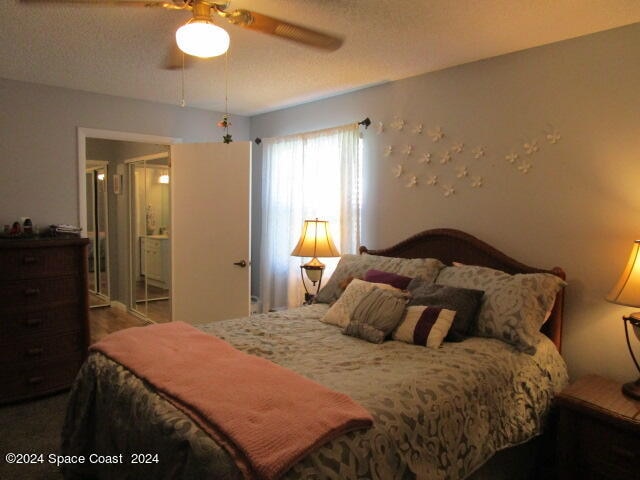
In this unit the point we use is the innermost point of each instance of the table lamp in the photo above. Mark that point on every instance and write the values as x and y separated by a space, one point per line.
315 241
627 292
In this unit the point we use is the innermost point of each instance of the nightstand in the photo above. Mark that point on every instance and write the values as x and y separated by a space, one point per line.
598 431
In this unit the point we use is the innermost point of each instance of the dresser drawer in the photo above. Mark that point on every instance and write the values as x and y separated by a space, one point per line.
39 262
614 453
18 295
27 322
26 381
37 350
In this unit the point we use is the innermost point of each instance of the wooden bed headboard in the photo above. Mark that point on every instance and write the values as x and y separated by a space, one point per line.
450 245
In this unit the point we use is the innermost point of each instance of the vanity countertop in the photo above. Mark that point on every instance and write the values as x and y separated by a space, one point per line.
157 237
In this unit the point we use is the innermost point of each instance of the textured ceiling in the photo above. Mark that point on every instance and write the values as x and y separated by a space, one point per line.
118 50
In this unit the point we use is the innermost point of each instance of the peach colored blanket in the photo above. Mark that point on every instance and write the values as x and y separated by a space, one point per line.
267 417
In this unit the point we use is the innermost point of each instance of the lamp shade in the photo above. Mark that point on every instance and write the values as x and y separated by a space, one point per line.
201 38
315 240
627 290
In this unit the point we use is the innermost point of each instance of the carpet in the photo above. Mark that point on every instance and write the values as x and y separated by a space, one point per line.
32 427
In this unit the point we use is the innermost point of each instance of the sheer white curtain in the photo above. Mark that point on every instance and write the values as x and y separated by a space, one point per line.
307 176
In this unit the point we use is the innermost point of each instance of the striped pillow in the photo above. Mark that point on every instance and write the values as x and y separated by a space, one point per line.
424 326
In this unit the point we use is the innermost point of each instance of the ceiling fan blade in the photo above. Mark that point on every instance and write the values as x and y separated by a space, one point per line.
273 26
172 5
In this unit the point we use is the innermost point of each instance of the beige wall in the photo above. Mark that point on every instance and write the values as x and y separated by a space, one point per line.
577 207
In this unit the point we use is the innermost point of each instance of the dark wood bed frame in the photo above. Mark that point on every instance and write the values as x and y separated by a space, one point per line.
449 245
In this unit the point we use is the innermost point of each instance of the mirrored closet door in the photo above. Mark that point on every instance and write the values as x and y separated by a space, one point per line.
150 236
98 234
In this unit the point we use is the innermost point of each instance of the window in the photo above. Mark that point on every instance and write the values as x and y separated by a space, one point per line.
313 175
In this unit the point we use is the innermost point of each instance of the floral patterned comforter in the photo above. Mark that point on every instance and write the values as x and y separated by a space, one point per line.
439 413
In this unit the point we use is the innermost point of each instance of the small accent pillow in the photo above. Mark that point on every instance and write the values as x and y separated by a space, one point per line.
425 326
464 301
377 276
356 265
376 315
513 308
340 313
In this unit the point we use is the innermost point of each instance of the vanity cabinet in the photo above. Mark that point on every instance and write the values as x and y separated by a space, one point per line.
44 329
155 260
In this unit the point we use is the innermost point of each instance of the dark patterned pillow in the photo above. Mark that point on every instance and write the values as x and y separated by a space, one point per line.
377 276
464 301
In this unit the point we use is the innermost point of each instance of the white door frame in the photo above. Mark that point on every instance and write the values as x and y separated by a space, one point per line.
83 134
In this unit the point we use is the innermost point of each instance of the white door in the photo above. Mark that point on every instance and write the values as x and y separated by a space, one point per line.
210 231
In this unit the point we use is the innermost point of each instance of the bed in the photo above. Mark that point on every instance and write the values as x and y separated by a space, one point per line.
438 412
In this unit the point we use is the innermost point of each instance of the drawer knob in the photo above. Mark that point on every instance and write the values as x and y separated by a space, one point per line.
34 352
35 380
29 260
31 292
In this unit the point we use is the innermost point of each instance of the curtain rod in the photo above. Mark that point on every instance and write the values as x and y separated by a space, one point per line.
366 122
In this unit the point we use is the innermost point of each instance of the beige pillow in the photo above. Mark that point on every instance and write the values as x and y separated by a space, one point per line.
342 310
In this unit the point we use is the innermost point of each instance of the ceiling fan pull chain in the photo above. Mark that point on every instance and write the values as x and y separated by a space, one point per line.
226 138
182 101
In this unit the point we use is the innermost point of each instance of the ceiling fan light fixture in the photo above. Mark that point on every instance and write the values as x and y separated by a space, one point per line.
202 38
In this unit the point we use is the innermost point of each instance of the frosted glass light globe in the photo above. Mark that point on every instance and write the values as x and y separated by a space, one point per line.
201 38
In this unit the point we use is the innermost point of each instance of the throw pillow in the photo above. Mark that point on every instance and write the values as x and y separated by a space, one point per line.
464 301
376 315
377 276
424 326
341 311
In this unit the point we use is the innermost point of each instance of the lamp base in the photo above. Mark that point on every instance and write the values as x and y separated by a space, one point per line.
632 389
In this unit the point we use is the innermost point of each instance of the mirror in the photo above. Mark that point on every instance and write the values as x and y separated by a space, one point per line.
150 239
98 234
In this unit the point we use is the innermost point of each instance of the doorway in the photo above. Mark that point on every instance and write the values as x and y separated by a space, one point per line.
111 278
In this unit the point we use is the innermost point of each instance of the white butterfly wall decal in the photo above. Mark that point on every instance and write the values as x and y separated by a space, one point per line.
478 152
425 158
448 190
511 157
436 134
531 147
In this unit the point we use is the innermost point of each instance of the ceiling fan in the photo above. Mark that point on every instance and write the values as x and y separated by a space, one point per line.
200 37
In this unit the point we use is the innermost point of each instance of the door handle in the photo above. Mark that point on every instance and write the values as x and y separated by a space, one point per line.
240 264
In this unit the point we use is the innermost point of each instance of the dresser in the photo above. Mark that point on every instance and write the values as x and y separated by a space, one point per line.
44 330
598 431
